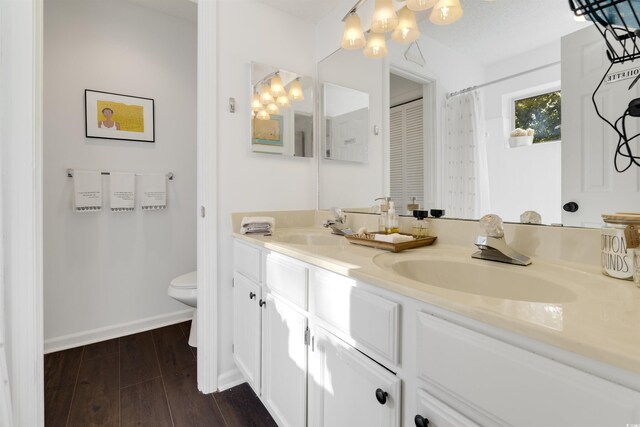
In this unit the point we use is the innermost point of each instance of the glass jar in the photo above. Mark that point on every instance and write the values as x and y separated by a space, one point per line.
420 227
617 259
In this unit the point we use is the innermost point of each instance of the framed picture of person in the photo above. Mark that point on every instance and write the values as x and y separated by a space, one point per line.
116 116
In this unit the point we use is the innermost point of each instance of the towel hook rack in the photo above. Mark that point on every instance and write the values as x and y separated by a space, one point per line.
170 175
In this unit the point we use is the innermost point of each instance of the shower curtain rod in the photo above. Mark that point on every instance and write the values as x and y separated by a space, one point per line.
472 88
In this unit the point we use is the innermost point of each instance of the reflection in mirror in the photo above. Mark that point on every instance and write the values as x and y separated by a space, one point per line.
281 112
507 122
350 172
345 123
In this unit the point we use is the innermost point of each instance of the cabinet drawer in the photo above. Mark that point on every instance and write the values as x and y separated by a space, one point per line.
287 278
370 321
514 386
437 414
247 260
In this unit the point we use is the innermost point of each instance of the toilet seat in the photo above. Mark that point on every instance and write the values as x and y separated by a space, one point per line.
186 281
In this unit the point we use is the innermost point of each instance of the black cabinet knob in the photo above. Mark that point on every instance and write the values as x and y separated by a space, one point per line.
571 207
381 396
262 303
252 295
421 421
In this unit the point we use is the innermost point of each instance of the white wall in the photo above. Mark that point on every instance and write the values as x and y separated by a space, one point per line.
523 178
106 269
253 182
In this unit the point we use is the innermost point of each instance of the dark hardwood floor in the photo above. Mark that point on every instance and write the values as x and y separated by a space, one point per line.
146 379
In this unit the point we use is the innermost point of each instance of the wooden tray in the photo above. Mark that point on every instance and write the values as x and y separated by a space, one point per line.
358 239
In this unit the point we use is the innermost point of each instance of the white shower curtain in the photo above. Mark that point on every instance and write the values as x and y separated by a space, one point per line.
465 174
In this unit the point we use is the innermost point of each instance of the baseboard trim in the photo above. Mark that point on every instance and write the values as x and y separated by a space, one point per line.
229 379
115 331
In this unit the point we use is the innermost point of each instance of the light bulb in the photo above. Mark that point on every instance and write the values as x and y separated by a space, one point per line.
353 37
263 115
446 12
265 95
283 101
255 103
277 88
295 91
376 46
420 5
407 30
273 109
385 18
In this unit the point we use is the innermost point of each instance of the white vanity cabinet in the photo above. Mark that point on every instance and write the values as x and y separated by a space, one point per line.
247 336
432 412
346 388
284 362
325 350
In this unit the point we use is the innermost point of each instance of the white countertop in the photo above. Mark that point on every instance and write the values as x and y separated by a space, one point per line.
598 317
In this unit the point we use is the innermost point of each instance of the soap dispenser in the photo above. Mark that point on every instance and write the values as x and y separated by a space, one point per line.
421 224
412 206
392 220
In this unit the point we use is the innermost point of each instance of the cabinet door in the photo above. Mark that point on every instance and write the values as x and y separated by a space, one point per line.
284 362
345 387
434 413
246 329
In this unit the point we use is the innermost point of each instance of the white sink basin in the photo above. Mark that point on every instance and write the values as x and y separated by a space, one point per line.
311 239
484 278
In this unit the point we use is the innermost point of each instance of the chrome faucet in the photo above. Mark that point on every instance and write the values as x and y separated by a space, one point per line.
492 245
337 224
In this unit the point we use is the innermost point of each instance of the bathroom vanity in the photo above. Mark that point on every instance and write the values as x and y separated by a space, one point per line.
332 334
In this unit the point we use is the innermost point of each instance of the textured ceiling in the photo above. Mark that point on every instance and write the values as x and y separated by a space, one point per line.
493 31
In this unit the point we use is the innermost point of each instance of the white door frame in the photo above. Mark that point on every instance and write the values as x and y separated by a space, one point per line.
21 163
432 165
208 232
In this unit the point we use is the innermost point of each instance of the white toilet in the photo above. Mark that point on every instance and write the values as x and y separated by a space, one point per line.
185 289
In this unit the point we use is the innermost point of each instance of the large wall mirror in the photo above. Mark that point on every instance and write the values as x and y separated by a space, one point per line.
281 112
352 144
490 116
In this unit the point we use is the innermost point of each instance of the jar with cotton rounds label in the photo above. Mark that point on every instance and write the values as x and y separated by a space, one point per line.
619 244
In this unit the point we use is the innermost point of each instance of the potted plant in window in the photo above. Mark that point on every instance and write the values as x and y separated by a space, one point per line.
521 137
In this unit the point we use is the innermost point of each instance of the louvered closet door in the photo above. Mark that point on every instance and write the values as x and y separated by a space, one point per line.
407 154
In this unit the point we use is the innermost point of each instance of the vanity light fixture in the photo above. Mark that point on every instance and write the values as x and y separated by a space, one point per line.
353 37
277 87
256 105
446 12
265 95
407 30
376 46
403 25
385 18
263 115
283 101
273 109
295 91
420 5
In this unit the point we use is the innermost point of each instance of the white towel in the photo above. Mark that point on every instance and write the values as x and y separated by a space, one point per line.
123 191
154 191
258 224
87 187
393 238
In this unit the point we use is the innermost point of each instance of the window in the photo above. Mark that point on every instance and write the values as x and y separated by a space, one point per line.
540 113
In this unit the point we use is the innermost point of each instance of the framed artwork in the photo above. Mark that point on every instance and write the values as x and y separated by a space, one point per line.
116 116
268 132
